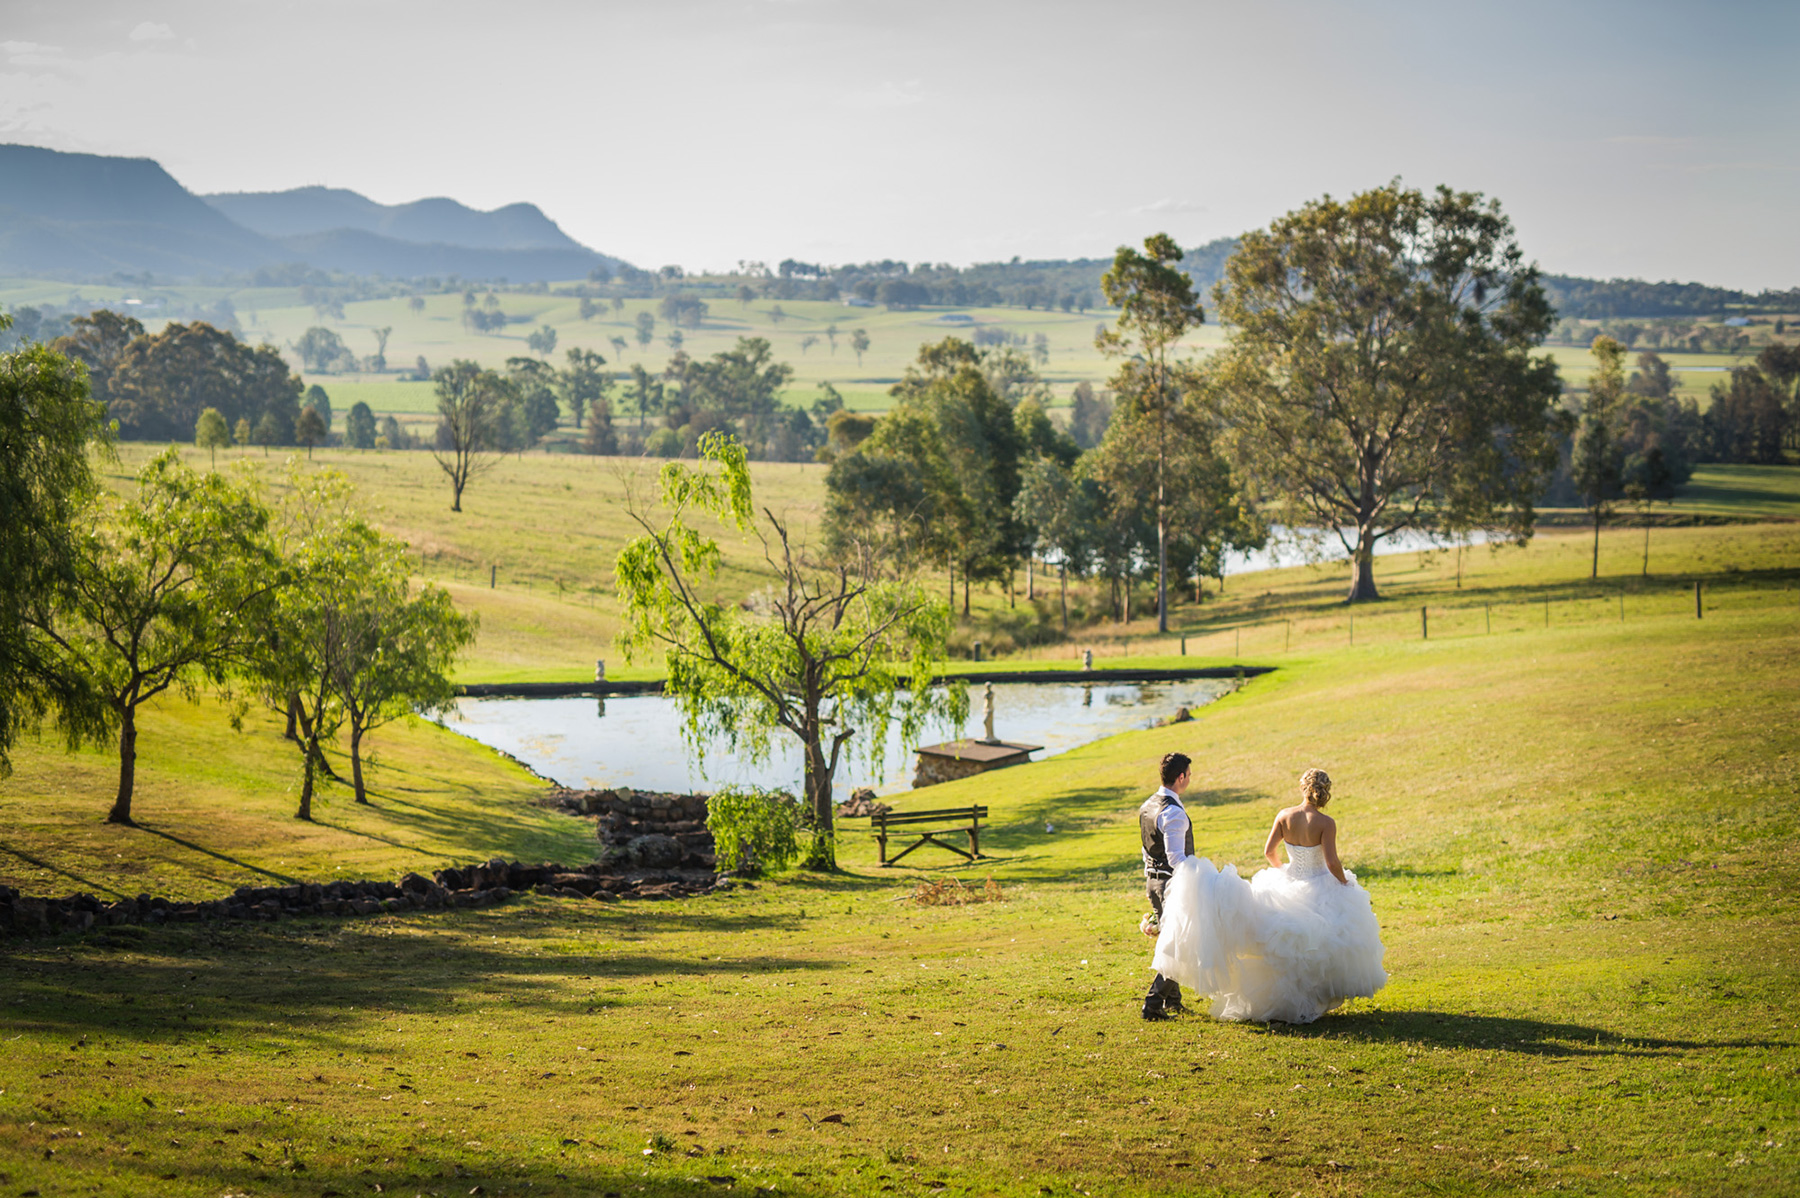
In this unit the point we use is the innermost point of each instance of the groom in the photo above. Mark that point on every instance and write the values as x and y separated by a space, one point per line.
1168 840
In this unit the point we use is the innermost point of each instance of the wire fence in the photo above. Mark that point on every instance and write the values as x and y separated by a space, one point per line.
1263 637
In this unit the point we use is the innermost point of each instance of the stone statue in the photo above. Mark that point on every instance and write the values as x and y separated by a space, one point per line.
987 711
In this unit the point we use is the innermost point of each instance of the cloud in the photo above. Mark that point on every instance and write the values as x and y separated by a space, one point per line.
1168 206
151 31
19 48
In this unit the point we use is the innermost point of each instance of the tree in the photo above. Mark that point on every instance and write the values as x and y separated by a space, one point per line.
168 587
582 382
309 430
543 341
831 335
99 340
646 393
160 384
468 402
824 659
941 471
806 343
601 437
1060 509
381 339
415 303
211 432
618 344
392 652
359 426
1377 374
319 401
859 341
323 350
536 383
646 328
272 430
243 432
1594 460
1156 307
48 420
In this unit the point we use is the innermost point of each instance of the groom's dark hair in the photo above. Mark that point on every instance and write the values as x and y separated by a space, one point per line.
1173 766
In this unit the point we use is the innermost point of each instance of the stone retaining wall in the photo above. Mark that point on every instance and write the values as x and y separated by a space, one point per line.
645 829
481 885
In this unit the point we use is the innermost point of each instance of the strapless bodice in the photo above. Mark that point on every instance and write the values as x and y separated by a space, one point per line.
1305 861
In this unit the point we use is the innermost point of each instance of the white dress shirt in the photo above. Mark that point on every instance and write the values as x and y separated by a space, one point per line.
1172 822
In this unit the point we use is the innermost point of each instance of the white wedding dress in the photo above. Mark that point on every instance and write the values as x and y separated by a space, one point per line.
1289 944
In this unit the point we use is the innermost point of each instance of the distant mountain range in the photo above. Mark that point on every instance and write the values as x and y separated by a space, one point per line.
84 216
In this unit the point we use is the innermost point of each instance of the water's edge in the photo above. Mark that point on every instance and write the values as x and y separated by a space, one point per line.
584 690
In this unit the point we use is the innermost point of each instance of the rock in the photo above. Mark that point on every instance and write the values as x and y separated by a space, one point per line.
655 851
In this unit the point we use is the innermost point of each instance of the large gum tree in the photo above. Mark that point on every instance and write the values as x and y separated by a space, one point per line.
1378 373
830 653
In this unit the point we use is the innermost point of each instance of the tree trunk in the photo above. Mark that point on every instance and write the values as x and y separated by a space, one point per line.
356 735
1362 574
121 808
953 586
1162 569
293 718
1065 597
1125 603
965 592
822 855
306 786
1030 580
1594 570
1646 545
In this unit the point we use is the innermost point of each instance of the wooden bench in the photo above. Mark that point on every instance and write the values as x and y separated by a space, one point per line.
881 822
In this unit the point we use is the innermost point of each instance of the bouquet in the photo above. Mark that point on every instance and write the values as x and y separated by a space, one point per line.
1150 925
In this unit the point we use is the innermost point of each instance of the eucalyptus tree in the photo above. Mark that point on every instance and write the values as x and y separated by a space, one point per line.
168 587
1156 308
581 382
48 420
469 403
831 654
1378 373
212 433
1596 458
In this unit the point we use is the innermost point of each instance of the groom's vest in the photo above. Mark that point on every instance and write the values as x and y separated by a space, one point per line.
1156 855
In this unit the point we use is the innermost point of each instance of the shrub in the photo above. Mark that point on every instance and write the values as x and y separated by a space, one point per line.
754 830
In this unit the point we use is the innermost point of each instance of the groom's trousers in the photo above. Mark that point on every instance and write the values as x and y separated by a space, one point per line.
1164 992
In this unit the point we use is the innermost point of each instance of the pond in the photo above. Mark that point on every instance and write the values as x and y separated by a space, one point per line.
636 740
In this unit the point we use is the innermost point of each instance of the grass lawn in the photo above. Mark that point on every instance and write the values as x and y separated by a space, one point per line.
1581 842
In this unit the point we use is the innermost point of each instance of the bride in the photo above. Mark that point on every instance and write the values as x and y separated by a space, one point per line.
1291 943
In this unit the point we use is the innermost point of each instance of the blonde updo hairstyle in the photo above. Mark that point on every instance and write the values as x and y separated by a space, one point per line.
1315 787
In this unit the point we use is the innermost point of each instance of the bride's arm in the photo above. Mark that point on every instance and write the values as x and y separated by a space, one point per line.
1331 858
1272 843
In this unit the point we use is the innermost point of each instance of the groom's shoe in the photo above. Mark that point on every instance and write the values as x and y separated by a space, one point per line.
1174 1007
1154 1010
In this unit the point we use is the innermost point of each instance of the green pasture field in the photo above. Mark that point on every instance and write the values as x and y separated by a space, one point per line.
1581 843
552 524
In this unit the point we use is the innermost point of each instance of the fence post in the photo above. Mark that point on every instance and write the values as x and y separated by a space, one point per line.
1184 646
1487 610
1621 607
1237 641
1424 624
493 573
1697 610
1287 637
1546 613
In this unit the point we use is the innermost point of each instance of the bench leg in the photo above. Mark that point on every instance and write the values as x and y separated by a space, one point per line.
881 842
974 843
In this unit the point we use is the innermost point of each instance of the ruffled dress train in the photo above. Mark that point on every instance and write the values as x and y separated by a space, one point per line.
1289 944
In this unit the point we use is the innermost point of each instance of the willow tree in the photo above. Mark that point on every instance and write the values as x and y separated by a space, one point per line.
831 654
1378 372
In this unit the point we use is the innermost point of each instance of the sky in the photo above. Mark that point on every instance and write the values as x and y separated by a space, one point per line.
1648 139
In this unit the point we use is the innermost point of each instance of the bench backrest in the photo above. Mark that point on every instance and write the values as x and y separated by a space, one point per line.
888 819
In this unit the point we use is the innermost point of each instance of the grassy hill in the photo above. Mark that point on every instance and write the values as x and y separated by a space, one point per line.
1581 842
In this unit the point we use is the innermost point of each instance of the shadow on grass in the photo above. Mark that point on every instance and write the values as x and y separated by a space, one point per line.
1531 1037
270 1169
87 884
215 854
322 980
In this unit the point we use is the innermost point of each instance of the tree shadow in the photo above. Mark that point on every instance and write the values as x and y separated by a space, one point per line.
216 855
1530 1037
87 884
313 975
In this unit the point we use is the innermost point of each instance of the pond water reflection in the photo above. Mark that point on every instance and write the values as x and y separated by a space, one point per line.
636 741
